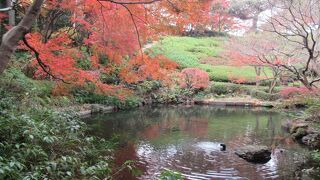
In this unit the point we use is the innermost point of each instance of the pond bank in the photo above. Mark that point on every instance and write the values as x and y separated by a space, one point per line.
303 131
85 110
241 102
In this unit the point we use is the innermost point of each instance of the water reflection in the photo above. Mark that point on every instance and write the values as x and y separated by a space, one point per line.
188 140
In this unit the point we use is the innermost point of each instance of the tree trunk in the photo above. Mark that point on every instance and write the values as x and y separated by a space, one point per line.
254 27
11 13
258 73
272 85
11 39
305 82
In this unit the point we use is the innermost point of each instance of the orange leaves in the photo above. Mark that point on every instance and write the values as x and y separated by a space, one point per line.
194 78
237 80
54 54
220 19
112 30
144 67
290 92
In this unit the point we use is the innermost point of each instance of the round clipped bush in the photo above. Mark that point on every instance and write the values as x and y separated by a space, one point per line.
194 78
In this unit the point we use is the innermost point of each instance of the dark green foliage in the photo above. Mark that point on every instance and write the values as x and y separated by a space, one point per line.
40 143
156 93
224 88
170 175
171 95
147 87
83 96
263 95
44 144
103 59
299 133
16 82
112 78
230 88
84 64
316 155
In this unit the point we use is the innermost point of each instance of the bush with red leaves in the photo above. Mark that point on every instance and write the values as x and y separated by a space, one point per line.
194 78
290 92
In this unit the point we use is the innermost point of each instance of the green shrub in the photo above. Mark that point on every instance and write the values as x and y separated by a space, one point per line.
316 155
170 175
264 96
103 59
147 87
14 81
219 89
84 64
224 88
175 95
230 88
44 144
83 96
39 143
110 78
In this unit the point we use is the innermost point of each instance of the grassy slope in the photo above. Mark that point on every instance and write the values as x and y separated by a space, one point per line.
188 52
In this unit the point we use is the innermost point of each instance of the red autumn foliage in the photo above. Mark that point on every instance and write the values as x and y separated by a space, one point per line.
220 18
290 92
144 67
194 78
115 31
3 16
237 80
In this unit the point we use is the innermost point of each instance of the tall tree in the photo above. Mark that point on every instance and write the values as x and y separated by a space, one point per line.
106 22
13 36
248 9
258 50
220 18
296 24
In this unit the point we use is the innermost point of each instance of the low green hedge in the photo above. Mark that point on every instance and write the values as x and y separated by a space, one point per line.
230 88
91 98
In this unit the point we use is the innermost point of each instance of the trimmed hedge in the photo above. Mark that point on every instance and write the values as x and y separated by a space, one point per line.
230 88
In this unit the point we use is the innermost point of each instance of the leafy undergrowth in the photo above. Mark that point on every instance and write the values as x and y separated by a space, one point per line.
221 89
37 142
189 51
170 175
154 92
85 97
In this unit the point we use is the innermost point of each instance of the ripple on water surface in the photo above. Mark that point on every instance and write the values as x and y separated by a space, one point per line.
188 140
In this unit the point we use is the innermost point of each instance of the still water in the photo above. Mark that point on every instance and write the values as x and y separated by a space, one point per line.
187 139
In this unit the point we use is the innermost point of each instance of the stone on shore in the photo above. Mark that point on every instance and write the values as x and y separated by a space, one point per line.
312 140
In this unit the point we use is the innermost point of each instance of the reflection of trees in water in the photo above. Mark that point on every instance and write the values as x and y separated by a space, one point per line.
181 127
198 121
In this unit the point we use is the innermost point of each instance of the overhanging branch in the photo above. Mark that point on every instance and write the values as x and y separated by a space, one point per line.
131 2
5 9
43 66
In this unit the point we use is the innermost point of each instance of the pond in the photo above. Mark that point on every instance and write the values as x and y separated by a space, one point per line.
187 140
